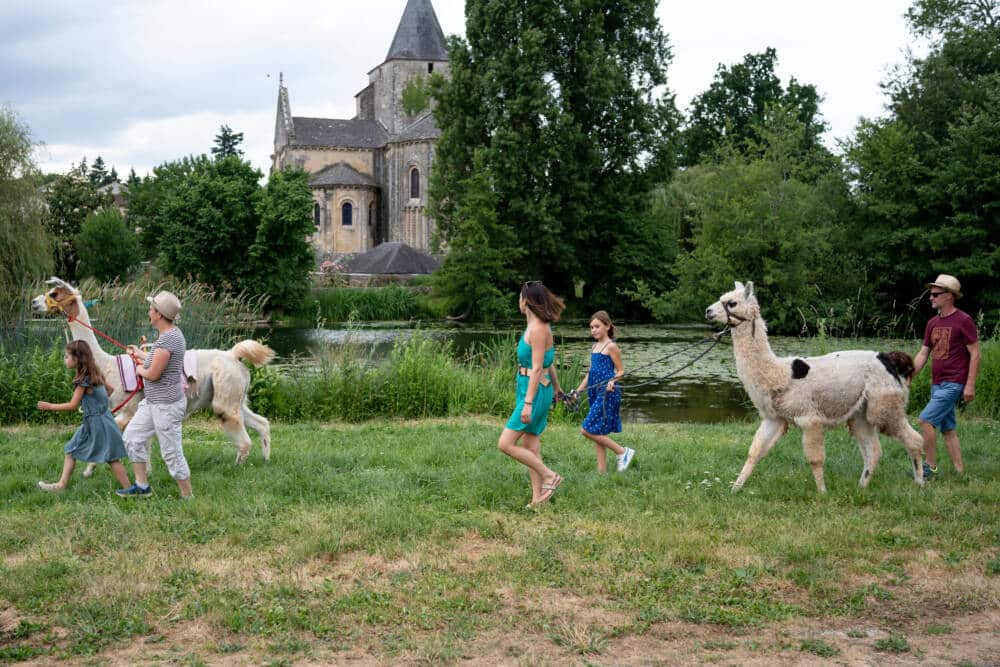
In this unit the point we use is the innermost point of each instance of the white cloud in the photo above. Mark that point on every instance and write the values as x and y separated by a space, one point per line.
140 83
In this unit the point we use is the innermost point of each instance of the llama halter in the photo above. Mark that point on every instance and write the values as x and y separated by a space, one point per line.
730 316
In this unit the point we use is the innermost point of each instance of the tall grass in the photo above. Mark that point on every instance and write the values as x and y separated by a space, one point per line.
31 367
421 377
362 304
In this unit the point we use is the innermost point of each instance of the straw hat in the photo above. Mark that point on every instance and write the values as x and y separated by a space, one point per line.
950 283
167 304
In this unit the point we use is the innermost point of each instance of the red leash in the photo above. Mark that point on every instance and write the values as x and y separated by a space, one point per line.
111 340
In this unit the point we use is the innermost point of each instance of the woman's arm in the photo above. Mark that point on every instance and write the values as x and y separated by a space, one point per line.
73 404
538 347
159 364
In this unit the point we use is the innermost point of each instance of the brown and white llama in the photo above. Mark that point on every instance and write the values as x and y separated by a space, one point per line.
867 390
222 383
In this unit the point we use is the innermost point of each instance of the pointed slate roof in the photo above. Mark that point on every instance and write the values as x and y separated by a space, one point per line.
393 257
419 35
339 174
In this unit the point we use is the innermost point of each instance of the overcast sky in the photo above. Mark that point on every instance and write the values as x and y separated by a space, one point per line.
140 82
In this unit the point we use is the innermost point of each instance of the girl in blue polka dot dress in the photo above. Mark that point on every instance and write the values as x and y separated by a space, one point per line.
604 396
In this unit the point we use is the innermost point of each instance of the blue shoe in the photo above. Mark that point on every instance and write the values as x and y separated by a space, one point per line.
929 471
135 491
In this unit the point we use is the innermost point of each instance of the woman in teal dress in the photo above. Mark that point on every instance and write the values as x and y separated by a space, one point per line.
537 384
98 440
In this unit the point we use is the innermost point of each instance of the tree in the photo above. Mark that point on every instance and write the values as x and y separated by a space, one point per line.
281 257
227 143
98 174
766 215
736 101
25 246
416 96
554 108
133 180
112 177
106 247
482 252
71 198
146 201
208 219
926 175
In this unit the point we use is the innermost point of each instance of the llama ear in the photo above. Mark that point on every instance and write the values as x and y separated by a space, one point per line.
748 290
739 285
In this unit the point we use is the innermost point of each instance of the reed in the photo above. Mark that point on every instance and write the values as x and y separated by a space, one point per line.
367 304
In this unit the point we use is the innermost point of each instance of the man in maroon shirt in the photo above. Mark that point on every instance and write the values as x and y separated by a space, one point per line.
952 343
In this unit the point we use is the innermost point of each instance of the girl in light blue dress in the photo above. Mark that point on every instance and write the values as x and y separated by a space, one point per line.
537 384
98 440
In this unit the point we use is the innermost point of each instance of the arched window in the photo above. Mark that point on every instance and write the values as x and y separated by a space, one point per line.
316 215
430 68
414 183
347 214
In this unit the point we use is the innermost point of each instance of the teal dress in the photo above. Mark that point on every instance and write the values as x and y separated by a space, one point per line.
98 440
543 397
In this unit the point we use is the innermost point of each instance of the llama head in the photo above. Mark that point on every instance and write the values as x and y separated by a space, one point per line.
60 298
734 307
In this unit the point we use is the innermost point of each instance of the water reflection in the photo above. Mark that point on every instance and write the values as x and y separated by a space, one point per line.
707 391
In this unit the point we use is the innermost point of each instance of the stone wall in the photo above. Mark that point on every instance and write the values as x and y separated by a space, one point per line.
333 236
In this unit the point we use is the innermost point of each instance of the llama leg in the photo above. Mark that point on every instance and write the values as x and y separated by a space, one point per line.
763 440
914 443
263 428
812 445
234 427
866 436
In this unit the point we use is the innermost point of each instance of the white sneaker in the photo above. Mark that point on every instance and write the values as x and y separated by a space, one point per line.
625 460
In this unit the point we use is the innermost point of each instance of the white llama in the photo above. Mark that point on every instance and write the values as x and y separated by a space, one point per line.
865 389
222 383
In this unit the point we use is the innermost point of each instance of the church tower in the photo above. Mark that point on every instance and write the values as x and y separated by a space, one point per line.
369 174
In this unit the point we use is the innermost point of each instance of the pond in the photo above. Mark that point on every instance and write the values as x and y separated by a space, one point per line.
706 391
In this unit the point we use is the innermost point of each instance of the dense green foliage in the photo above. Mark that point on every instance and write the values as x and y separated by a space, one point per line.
25 247
71 198
107 249
281 257
550 123
928 174
227 143
209 221
361 304
406 542
766 210
734 106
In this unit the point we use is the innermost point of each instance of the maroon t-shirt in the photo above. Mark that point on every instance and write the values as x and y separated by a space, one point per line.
947 338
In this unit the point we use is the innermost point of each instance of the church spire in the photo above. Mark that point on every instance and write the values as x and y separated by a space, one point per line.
419 35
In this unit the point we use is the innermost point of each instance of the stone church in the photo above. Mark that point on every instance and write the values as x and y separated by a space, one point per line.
369 174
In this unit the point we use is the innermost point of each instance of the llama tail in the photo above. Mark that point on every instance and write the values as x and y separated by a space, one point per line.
252 351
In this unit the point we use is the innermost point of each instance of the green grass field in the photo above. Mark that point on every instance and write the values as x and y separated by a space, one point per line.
409 542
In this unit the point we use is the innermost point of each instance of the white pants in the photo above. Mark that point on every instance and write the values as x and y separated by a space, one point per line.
164 421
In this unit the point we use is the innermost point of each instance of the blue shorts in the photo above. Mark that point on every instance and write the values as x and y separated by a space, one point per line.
940 410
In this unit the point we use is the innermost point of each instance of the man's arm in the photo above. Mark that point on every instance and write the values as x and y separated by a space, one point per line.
920 360
969 393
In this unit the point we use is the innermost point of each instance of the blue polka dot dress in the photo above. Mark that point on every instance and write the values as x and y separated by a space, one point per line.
605 406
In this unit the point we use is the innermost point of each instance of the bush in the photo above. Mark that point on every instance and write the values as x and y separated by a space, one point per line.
107 248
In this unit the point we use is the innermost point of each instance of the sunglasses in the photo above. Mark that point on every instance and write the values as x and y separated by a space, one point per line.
935 295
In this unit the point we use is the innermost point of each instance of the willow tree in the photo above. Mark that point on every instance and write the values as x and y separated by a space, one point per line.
25 247
559 107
